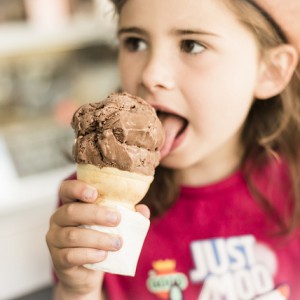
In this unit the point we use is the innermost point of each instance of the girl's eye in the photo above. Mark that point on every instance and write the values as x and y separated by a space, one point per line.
133 44
191 46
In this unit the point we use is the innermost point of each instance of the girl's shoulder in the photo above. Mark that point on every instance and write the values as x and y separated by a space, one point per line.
271 175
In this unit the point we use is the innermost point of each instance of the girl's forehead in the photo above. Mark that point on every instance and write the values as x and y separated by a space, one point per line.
163 12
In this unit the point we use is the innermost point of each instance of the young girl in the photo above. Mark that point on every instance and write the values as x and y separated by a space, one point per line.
225 203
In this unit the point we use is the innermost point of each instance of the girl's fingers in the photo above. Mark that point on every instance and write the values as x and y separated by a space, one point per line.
72 190
70 257
143 209
75 237
76 213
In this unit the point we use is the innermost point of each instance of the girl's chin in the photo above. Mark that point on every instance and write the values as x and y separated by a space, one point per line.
175 161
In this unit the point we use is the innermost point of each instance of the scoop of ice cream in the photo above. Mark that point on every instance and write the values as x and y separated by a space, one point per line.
122 131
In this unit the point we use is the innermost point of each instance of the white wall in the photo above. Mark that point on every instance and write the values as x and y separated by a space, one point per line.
25 264
24 259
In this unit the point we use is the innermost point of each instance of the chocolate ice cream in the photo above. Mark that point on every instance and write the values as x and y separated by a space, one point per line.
122 131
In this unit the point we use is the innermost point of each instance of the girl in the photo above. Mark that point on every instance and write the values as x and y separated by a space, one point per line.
225 203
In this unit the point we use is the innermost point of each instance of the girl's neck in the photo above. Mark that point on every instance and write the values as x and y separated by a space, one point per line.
210 171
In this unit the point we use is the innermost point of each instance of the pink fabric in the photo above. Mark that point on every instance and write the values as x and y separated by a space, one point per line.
218 239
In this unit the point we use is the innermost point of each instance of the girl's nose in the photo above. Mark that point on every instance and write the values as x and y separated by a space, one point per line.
158 73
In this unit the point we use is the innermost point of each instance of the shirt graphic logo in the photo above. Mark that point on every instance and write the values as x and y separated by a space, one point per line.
229 270
165 282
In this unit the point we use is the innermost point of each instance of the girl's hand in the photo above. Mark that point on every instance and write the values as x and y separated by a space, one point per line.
71 246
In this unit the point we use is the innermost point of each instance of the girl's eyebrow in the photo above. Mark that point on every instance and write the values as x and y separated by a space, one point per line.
193 31
180 32
136 30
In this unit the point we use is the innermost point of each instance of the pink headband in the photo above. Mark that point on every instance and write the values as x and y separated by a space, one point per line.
286 13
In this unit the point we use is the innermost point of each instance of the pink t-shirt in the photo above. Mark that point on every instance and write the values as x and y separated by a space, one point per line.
217 243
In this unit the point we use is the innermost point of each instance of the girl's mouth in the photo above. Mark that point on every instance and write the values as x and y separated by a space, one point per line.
175 126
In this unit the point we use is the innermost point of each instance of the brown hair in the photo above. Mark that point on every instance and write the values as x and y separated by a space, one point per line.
271 130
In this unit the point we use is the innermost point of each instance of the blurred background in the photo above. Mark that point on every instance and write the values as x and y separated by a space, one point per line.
54 56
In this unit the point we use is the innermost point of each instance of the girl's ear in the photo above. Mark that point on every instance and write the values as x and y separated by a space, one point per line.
276 70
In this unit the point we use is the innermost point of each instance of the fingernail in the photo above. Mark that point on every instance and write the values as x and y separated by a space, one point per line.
90 194
112 217
117 243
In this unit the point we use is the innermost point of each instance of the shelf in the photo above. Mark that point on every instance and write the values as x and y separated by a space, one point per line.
20 192
23 39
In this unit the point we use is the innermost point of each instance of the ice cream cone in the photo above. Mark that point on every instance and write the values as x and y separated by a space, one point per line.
115 186
117 148
121 190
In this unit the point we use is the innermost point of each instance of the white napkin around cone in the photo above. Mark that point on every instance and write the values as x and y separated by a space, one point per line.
133 229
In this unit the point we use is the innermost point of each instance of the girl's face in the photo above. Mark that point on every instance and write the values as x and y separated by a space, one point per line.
198 66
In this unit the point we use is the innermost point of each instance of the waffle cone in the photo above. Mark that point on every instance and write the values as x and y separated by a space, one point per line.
115 186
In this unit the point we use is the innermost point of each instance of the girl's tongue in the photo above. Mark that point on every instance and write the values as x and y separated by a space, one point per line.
173 126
